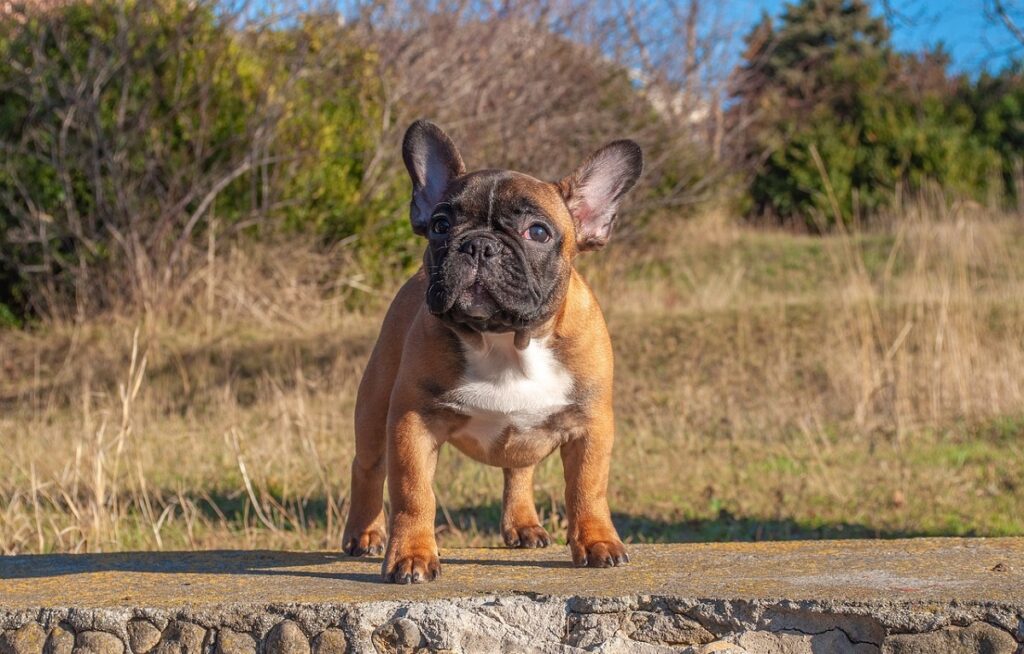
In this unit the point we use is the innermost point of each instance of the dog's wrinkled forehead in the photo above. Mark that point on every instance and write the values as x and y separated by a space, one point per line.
489 196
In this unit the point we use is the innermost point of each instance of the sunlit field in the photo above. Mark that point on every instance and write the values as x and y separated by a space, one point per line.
770 385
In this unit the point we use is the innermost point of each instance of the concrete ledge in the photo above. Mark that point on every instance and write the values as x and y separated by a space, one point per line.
900 596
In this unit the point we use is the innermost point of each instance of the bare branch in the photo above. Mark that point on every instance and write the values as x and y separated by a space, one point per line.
1003 13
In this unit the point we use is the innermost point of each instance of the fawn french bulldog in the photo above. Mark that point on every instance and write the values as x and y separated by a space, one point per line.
497 346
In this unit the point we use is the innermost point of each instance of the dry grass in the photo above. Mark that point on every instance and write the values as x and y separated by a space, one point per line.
770 385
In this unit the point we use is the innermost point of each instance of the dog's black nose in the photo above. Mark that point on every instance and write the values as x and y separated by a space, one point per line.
480 247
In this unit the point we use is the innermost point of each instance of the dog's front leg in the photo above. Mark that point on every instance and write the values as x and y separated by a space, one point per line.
412 555
593 540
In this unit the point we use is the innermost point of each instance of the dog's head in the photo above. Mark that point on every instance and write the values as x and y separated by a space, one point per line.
501 244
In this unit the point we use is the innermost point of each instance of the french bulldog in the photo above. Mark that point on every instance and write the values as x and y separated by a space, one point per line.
496 346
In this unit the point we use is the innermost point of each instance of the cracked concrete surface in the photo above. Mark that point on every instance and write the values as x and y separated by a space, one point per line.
896 596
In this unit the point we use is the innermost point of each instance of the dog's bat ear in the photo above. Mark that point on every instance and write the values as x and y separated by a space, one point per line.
432 161
594 191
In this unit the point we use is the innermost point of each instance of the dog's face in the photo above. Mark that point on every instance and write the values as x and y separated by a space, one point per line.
501 244
499 250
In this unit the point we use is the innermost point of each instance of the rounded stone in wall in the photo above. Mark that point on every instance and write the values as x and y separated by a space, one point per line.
233 642
330 641
60 641
286 638
27 639
97 642
181 637
143 636
399 636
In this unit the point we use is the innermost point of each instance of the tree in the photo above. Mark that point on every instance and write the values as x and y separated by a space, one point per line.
996 104
806 62
839 121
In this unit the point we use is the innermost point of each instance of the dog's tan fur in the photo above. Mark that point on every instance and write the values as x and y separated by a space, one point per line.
401 423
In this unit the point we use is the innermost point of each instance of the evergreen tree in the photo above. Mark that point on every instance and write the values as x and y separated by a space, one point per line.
996 104
806 60
835 113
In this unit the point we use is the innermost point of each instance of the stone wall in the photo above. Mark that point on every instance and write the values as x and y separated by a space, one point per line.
522 623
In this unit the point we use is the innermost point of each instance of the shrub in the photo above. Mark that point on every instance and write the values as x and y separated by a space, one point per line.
826 82
128 127
996 108
121 124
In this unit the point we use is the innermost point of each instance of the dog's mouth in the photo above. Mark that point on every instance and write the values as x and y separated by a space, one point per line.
476 301
473 302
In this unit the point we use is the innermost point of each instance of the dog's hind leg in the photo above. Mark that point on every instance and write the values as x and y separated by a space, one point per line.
520 525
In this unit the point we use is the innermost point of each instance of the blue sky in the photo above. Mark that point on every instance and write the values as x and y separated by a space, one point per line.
974 40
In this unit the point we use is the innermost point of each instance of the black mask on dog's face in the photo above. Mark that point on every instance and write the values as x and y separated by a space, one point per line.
495 256
501 243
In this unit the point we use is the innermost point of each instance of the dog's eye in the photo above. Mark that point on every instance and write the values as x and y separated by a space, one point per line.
537 232
440 226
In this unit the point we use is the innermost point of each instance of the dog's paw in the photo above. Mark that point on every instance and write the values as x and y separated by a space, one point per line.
369 543
529 536
599 554
411 568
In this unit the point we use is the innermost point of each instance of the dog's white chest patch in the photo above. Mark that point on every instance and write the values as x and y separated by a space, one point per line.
503 387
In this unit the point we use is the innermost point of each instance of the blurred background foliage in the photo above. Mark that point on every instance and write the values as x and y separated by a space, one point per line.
138 135
816 293
826 80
